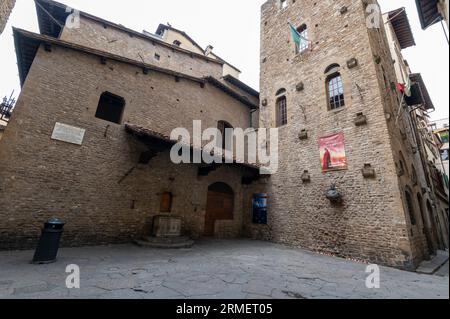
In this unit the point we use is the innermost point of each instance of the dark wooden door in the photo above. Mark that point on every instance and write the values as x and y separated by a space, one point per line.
219 206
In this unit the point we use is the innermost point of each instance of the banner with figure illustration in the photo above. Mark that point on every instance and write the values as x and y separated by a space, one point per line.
332 152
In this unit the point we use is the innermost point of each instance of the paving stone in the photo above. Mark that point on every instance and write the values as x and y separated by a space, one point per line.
201 274
257 287
30 287
116 284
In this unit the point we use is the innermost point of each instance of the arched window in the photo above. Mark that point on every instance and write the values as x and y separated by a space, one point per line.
225 127
335 91
410 205
281 108
332 68
304 43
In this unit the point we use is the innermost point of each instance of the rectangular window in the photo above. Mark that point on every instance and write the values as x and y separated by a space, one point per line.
157 57
110 108
304 42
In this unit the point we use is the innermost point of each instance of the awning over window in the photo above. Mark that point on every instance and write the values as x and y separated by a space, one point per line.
419 93
402 28
428 12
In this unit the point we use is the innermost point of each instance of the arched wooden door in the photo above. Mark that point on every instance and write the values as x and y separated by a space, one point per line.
219 206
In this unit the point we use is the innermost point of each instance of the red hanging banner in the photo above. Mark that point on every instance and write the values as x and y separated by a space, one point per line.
332 152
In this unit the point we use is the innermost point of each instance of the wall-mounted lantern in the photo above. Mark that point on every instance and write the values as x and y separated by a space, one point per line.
334 195
368 171
360 119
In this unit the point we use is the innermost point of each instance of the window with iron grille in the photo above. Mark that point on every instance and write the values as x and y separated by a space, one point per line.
335 88
282 111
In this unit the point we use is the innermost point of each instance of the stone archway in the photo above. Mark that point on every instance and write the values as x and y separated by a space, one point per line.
219 206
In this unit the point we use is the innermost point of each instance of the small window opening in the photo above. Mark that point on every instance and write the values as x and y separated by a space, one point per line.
110 108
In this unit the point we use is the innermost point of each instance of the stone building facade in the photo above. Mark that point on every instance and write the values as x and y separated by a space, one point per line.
6 7
101 186
109 184
376 220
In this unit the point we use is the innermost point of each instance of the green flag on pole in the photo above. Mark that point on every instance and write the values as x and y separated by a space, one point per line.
295 35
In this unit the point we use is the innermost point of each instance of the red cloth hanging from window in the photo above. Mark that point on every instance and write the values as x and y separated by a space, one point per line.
401 87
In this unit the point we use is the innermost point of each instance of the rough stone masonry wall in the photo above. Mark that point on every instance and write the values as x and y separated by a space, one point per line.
6 7
41 178
402 140
371 223
95 35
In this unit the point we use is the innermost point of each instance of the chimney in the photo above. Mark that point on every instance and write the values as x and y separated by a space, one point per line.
208 50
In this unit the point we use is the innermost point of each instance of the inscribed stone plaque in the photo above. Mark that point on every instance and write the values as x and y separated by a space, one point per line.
69 134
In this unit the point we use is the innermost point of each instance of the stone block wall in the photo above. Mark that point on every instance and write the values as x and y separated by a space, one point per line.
371 224
98 188
95 35
6 7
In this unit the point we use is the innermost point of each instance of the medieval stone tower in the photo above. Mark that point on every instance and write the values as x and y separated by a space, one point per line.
6 7
336 87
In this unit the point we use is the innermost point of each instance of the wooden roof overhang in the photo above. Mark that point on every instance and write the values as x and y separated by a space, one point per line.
428 12
419 93
236 82
402 28
157 143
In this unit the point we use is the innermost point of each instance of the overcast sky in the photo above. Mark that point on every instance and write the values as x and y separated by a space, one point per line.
232 27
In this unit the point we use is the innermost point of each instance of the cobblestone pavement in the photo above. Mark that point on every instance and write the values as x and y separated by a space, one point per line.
225 269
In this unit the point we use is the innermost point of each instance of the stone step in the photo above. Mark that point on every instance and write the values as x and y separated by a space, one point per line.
429 267
165 242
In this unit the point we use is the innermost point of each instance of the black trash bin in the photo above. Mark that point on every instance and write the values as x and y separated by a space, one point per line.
48 246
